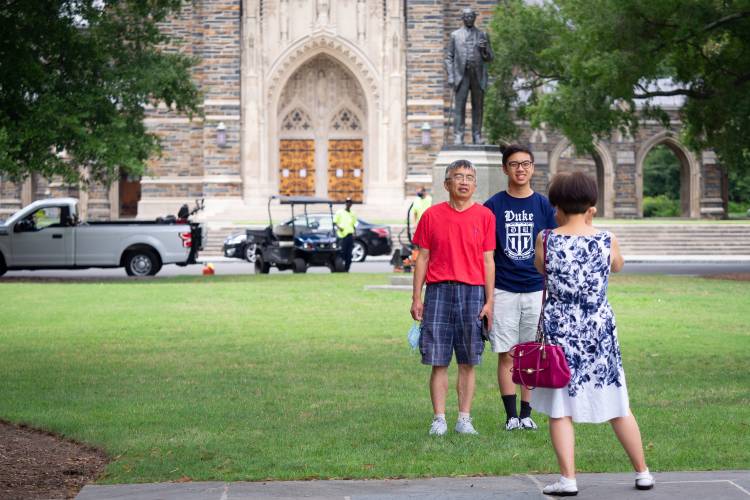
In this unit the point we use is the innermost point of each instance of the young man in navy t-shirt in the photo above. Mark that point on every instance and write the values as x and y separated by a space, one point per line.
520 215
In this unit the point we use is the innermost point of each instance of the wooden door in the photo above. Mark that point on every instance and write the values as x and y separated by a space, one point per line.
297 170
130 195
345 169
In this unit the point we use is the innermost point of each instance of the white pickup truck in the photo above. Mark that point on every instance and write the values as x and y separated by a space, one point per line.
48 235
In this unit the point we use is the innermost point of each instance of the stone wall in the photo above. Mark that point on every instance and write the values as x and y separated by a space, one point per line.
10 197
425 85
193 163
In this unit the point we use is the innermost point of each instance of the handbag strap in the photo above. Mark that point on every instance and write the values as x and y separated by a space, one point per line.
540 337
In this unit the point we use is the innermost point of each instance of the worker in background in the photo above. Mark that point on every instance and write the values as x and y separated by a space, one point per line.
345 221
422 203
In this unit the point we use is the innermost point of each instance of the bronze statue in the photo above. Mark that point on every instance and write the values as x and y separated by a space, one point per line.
469 51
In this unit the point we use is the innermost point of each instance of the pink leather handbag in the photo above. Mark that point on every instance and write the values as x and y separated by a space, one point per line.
539 364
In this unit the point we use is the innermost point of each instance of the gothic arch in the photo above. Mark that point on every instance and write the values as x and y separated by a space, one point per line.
339 49
690 173
607 180
324 86
346 120
296 120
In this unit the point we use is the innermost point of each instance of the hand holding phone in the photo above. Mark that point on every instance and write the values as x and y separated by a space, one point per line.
485 328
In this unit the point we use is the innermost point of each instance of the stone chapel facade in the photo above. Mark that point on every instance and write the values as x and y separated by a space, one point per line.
337 98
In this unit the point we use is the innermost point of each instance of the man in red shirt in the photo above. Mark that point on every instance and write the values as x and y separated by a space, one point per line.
456 242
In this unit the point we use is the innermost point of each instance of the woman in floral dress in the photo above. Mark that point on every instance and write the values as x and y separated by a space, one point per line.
578 317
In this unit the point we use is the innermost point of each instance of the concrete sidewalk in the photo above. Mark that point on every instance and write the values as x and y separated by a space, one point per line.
720 485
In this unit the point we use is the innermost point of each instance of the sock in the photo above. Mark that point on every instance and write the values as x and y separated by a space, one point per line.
462 414
510 406
440 416
567 481
525 409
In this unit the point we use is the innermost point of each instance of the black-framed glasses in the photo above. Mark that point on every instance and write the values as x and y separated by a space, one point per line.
525 165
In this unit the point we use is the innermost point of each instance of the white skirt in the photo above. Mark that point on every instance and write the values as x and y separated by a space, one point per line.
590 405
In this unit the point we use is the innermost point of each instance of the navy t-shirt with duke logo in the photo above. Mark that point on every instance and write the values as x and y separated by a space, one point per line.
519 220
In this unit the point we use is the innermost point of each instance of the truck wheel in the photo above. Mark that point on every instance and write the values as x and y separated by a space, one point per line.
300 266
3 267
142 262
250 250
359 251
261 267
338 265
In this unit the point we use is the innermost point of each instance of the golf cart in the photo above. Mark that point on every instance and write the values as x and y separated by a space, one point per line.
295 245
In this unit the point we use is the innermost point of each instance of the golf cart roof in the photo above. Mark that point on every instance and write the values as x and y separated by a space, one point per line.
302 200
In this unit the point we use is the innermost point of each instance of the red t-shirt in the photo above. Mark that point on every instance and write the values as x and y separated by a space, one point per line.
456 241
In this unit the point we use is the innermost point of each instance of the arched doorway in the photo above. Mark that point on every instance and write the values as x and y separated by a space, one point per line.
689 172
322 116
598 165
662 180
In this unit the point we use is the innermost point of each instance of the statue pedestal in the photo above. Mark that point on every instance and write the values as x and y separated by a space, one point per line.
488 161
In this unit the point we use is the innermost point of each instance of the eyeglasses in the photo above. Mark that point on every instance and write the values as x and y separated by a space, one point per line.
462 177
515 165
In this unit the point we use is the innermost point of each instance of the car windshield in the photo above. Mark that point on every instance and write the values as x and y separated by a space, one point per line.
314 222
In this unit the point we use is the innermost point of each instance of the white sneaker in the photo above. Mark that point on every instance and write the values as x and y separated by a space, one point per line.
644 480
512 424
528 424
438 427
463 426
561 490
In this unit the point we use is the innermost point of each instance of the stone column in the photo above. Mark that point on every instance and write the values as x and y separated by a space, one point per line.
254 155
708 193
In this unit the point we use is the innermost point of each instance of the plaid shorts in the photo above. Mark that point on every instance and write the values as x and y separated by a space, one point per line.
451 322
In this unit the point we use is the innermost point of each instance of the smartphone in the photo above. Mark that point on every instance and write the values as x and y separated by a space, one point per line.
485 328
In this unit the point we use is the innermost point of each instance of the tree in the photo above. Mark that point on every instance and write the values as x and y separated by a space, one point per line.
587 67
75 76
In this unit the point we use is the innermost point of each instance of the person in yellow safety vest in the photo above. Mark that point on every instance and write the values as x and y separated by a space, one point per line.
422 203
346 223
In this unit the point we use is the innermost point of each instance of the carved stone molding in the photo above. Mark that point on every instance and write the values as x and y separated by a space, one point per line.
338 48
323 84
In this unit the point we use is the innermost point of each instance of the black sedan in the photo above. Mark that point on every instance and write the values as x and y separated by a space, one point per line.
235 245
369 239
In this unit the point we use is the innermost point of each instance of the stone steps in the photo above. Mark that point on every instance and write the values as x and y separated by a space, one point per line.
635 239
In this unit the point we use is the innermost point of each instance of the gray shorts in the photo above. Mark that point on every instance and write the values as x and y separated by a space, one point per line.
515 319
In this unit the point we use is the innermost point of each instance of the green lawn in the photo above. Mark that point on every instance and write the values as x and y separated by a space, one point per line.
309 376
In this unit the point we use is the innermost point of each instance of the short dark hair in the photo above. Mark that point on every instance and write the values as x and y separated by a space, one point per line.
512 149
459 164
573 192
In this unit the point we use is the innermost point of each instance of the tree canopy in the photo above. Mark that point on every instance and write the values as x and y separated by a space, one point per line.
75 76
587 67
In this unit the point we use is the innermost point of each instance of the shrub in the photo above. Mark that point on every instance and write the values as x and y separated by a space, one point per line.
660 206
736 207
